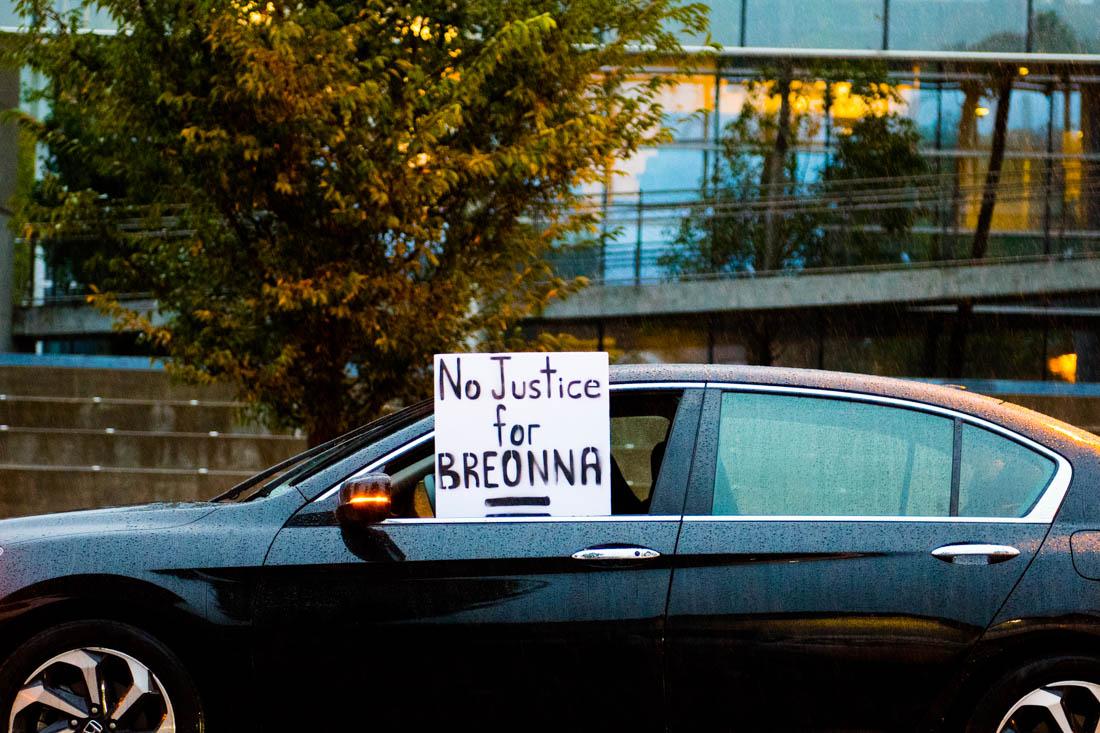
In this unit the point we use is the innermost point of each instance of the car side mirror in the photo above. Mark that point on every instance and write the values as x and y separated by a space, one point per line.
365 499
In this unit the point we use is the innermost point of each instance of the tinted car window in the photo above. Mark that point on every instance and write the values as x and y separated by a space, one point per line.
640 426
999 477
787 455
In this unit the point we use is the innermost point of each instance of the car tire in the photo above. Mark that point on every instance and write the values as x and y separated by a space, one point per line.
1035 695
137 674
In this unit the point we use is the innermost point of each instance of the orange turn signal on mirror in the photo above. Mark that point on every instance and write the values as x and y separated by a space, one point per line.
365 499
369 500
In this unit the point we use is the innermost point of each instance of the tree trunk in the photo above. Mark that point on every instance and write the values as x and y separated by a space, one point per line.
956 346
956 350
930 356
1087 342
964 166
9 159
325 424
1090 145
762 340
319 434
775 174
993 174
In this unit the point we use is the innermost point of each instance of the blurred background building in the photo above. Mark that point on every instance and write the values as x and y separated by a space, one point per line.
852 292
899 187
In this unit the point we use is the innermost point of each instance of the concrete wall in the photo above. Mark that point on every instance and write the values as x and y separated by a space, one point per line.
872 286
73 438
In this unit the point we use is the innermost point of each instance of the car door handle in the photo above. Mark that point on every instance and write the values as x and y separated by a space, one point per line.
975 554
616 553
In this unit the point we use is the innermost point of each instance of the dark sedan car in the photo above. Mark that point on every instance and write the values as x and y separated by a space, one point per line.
787 550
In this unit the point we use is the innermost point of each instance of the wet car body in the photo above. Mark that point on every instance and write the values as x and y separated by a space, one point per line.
289 620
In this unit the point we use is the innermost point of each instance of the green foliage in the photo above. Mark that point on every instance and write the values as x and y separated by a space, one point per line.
812 218
727 232
321 195
1050 34
23 260
882 155
1053 35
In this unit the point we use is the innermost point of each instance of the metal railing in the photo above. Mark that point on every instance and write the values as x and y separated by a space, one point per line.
1045 212
1037 214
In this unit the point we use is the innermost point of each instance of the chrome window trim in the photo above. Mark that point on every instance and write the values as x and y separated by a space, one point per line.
862 519
1042 513
537 520
397 452
373 465
627 386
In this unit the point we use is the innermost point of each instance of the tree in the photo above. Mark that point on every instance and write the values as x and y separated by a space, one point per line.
1050 34
879 154
735 227
321 195
765 207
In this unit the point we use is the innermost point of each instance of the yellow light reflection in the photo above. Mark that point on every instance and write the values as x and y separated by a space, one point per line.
1064 367
1077 436
810 97
981 111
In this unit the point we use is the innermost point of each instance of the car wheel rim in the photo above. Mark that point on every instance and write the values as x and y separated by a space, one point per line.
1061 707
92 690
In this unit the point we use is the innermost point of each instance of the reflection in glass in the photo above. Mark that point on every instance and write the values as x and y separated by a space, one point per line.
960 25
999 477
801 456
814 23
725 22
1043 204
1066 26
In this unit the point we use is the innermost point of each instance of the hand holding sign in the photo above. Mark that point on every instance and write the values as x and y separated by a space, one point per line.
522 434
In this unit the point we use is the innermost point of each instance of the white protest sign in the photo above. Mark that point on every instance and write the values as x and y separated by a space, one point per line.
522 434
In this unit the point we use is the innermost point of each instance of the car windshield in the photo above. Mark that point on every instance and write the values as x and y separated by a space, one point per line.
285 475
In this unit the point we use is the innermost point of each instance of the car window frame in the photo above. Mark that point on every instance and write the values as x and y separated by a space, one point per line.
667 506
701 480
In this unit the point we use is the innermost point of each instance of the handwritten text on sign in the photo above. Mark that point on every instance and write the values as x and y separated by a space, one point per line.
522 434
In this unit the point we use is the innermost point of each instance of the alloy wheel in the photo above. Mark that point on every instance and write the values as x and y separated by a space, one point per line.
1061 707
92 690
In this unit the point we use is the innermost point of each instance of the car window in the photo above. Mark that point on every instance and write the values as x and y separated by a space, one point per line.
809 456
413 480
640 425
998 477
282 477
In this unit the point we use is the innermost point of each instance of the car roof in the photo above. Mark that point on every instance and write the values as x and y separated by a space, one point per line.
1027 422
945 396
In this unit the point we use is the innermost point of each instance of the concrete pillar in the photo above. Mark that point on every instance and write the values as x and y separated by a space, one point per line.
9 166
1087 346
1090 145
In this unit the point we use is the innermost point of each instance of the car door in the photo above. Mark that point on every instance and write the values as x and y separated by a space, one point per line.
499 623
840 553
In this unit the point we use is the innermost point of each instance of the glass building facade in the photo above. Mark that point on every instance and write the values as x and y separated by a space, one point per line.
914 25
942 60
1047 197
